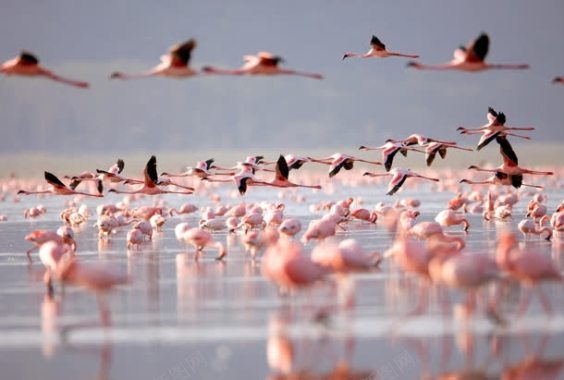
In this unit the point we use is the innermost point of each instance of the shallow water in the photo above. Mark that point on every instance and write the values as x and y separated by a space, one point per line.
187 319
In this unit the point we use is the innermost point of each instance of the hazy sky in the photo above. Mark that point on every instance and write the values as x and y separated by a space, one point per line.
359 102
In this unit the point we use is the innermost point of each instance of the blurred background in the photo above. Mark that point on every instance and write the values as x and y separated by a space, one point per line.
358 102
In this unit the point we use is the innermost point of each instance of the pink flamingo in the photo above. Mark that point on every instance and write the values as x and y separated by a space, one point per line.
95 277
399 176
285 264
448 218
340 161
174 64
59 188
347 256
290 227
263 63
378 50
200 239
281 176
433 230
50 253
151 182
201 170
495 128
27 64
364 214
389 151
433 148
558 80
527 267
528 226
470 58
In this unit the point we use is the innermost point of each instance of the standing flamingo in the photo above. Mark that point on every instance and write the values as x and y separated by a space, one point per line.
528 267
95 277
26 64
378 50
174 64
470 58
59 188
399 176
263 63
150 183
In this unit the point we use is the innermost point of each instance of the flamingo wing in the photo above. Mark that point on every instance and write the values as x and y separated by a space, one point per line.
120 164
336 166
478 49
180 53
396 182
389 159
430 156
54 181
507 152
209 163
377 44
491 115
442 151
282 170
150 173
516 180
486 139
28 58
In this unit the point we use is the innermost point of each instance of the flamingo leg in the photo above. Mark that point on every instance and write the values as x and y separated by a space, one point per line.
545 302
524 304
104 311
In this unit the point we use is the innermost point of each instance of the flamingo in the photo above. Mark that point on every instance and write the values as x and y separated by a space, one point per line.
340 161
399 176
501 178
200 239
389 151
470 58
347 256
450 218
150 183
59 188
110 175
527 267
418 139
558 80
433 148
201 170
263 63
281 177
95 277
285 264
174 64
378 50
290 227
528 226
494 129
40 237
26 64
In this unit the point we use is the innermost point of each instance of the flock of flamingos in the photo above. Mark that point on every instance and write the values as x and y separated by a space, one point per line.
421 249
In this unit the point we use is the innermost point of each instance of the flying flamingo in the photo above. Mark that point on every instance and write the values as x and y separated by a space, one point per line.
263 63
399 176
389 151
174 64
558 80
151 182
281 177
59 188
27 64
201 170
340 161
418 139
503 179
495 128
378 50
433 148
111 175
470 58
